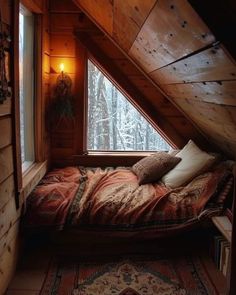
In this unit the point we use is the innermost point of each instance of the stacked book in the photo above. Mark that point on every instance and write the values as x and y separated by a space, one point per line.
221 245
221 253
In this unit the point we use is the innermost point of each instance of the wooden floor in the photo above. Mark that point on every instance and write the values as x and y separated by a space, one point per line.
33 266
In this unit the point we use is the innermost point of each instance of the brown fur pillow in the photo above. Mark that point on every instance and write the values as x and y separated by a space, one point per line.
153 167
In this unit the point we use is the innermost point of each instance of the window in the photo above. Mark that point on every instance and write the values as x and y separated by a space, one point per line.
114 124
26 86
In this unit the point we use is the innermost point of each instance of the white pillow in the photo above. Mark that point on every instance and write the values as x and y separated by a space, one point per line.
194 161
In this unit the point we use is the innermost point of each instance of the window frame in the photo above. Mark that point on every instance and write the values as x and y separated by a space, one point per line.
28 142
24 174
89 57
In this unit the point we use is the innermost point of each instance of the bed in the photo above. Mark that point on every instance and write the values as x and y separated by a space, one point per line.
112 202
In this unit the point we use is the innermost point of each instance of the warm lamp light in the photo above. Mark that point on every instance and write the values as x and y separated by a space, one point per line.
62 67
63 84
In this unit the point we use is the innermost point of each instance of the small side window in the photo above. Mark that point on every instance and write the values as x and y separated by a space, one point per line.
26 86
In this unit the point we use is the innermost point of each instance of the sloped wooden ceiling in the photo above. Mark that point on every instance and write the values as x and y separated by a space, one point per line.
172 45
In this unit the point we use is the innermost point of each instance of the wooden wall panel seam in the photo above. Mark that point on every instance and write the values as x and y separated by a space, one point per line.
142 23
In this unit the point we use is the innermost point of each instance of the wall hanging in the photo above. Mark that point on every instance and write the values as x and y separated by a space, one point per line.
63 103
4 62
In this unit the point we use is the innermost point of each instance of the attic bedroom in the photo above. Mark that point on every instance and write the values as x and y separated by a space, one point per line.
117 147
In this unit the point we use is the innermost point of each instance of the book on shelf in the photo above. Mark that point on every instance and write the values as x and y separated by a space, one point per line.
225 265
223 246
220 252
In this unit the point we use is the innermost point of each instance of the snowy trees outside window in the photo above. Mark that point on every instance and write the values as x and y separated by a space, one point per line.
114 124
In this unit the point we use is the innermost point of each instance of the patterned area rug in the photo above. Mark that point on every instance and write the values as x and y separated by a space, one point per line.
178 276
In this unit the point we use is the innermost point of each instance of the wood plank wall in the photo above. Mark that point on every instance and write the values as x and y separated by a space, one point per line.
180 54
9 214
66 135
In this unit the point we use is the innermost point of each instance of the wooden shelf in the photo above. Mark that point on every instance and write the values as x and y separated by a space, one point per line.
224 225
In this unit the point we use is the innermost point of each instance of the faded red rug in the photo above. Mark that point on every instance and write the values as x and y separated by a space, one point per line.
178 276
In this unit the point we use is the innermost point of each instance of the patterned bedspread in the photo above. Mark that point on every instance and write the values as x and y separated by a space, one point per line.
112 199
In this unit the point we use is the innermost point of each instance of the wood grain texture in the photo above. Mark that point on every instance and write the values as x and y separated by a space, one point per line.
215 92
63 5
33 5
6 162
172 30
5 7
69 63
7 238
62 45
101 11
9 215
6 131
5 108
217 121
129 17
8 261
213 64
7 190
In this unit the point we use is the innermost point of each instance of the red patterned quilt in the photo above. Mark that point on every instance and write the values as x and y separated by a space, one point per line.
112 199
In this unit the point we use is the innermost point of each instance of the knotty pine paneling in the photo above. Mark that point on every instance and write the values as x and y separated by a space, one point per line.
5 6
129 17
9 215
219 135
126 67
172 30
63 45
220 92
66 6
6 160
101 11
5 108
107 46
63 23
8 262
213 112
6 239
69 63
64 49
7 185
217 121
7 189
6 131
213 64
156 98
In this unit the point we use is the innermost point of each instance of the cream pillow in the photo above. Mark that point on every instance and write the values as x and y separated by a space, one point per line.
194 161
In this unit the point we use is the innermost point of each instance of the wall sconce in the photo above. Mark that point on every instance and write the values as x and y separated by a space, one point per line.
62 108
64 83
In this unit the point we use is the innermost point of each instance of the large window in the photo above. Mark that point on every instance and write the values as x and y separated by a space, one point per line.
114 124
26 86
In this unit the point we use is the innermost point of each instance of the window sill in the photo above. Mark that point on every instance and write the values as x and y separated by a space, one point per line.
32 177
26 167
120 153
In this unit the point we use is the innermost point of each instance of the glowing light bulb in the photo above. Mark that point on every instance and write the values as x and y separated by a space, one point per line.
62 67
